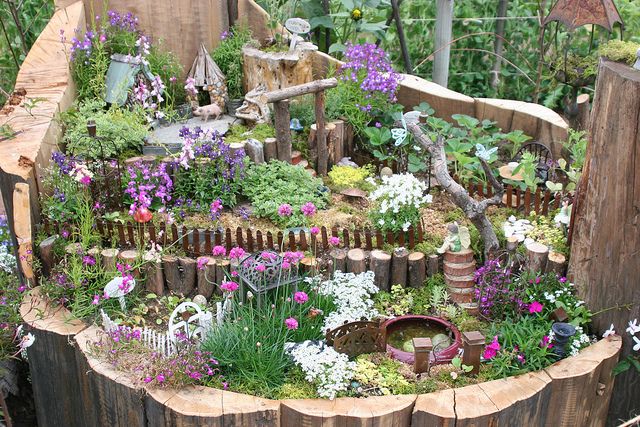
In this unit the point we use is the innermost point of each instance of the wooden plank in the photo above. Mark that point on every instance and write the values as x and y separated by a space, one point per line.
196 242
545 202
208 249
291 237
259 240
527 201
131 239
250 246
536 202
185 239
122 240
345 238
325 238
435 409
228 240
302 236
367 239
239 238
269 240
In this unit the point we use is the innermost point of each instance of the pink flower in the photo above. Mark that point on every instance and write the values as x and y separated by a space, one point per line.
285 210
546 342
300 297
315 230
293 257
268 256
492 349
308 209
535 307
286 265
291 323
22 288
219 251
85 180
234 274
334 241
261 268
160 378
96 299
147 379
202 262
88 260
562 280
236 253
520 358
229 286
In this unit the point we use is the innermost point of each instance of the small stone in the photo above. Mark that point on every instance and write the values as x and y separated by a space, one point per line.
440 342
385 171
408 346
201 300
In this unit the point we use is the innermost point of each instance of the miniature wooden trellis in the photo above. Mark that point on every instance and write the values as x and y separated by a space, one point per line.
355 338
280 99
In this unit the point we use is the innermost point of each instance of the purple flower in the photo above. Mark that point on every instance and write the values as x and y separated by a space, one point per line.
160 378
236 253
229 286
261 268
491 349
219 251
314 230
308 209
215 208
291 323
202 262
285 210
535 307
88 260
300 297
334 241
96 299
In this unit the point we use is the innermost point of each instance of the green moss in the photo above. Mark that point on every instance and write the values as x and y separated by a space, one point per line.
620 51
348 177
239 133
429 245
296 386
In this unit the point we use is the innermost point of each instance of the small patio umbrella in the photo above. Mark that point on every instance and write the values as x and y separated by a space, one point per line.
576 13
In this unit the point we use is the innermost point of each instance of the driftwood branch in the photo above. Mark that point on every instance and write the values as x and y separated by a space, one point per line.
473 209
303 89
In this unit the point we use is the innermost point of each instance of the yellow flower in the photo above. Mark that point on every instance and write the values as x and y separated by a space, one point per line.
356 14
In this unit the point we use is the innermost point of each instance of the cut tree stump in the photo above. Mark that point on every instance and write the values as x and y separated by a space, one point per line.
206 276
180 274
556 263
380 264
399 266
537 254
605 238
356 261
155 277
433 265
270 149
255 151
223 268
339 260
109 258
417 269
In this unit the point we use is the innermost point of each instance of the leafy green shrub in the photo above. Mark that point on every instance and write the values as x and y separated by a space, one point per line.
303 109
167 66
429 245
120 131
272 184
228 56
349 177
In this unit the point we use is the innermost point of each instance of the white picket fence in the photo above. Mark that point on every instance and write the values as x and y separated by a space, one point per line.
166 343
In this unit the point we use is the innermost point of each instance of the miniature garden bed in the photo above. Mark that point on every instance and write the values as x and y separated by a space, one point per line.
574 391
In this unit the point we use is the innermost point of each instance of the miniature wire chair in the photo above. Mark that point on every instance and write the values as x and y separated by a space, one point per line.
262 272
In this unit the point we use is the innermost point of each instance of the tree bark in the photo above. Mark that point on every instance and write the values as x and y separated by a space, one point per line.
473 209
380 264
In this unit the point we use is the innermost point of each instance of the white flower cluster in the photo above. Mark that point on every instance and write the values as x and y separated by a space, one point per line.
352 297
580 339
80 171
399 191
552 297
7 260
329 370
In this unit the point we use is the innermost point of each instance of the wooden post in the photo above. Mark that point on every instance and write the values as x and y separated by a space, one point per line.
537 257
188 275
155 277
604 251
22 228
270 149
444 19
395 10
499 42
417 269
222 270
339 260
313 144
331 141
473 343
283 132
556 263
433 265
255 151
321 135
356 261
399 266
309 264
380 264
109 257
46 255
206 276
422 348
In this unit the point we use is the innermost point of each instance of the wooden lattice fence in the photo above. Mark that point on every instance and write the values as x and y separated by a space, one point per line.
197 242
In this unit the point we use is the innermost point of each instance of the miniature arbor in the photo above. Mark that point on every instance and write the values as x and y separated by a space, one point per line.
208 76
280 99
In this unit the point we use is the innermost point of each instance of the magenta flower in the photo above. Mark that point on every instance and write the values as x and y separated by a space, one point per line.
160 378
315 230
492 349
96 299
147 379
202 262
300 297
562 280
291 323
236 253
22 288
219 251
334 241
215 208
535 307
229 286
308 209
261 268
546 342
85 180
520 358
286 265
88 260
285 210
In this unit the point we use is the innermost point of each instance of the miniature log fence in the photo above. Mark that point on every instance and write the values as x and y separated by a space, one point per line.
280 99
539 201
196 242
